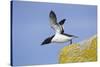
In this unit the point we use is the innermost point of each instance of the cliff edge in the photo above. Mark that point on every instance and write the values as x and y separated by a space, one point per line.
85 51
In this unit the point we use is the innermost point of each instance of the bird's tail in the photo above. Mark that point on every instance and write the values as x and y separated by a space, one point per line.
75 36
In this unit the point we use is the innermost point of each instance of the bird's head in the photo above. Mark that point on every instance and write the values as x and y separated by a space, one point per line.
47 40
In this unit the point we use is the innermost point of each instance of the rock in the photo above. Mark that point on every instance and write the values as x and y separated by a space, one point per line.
85 51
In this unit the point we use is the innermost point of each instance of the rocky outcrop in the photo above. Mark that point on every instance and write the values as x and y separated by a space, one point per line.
85 51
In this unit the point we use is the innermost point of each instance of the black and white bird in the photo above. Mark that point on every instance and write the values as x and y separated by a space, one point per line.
59 36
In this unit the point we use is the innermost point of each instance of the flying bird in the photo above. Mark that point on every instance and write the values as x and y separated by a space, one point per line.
59 36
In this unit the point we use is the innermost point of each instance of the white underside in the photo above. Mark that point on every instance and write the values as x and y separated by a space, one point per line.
61 38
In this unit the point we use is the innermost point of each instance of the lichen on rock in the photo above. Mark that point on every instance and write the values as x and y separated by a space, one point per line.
85 51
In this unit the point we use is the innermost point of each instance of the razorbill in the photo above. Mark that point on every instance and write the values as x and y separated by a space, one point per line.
59 36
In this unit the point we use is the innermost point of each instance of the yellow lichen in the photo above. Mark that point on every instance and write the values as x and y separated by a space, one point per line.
85 52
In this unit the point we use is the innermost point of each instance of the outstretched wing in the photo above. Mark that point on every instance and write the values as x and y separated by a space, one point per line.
53 21
62 25
62 22
53 18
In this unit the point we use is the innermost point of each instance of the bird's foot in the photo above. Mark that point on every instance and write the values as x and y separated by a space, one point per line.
70 41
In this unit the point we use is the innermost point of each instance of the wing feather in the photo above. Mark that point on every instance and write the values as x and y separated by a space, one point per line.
53 21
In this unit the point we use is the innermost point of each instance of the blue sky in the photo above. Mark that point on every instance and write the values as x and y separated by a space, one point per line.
31 26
